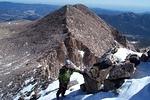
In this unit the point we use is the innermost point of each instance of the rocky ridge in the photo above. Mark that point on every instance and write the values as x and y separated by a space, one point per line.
72 32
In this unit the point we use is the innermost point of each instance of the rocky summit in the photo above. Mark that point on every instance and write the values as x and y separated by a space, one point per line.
38 51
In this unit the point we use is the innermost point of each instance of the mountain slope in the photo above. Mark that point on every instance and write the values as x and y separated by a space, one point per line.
39 50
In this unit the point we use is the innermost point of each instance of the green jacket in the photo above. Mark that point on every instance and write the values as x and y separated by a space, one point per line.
65 74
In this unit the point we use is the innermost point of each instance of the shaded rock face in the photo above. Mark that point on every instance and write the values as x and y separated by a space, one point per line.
119 37
148 53
113 84
72 32
121 71
133 58
144 57
74 47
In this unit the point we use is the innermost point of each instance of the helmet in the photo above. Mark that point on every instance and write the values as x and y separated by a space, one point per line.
67 62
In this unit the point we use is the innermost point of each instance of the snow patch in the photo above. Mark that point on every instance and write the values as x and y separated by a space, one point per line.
26 52
107 76
28 80
27 88
134 42
132 87
81 53
8 65
6 73
53 87
78 77
16 68
39 65
24 90
10 83
122 53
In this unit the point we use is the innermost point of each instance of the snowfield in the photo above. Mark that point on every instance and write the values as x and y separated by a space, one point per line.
132 89
137 88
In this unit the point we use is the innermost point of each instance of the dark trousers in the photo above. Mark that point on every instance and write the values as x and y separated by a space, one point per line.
62 89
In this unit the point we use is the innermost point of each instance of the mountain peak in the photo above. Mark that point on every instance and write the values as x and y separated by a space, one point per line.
72 28
75 26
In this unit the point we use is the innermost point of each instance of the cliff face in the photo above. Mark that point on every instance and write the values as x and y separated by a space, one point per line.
72 31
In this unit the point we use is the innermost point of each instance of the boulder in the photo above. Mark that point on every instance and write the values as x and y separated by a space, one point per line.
144 57
105 61
121 71
107 74
94 72
103 64
94 79
82 87
91 85
133 58
21 98
112 84
33 97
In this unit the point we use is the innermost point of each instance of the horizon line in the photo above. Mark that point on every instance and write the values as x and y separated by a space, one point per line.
105 7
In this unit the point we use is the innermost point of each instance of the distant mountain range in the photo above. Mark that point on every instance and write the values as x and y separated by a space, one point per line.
134 25
16 11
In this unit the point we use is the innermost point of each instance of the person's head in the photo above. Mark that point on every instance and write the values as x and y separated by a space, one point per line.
67 62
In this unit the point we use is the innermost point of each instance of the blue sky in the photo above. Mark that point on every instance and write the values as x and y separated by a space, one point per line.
110 4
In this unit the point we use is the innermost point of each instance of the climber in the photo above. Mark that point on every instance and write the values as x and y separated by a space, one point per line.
64 77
